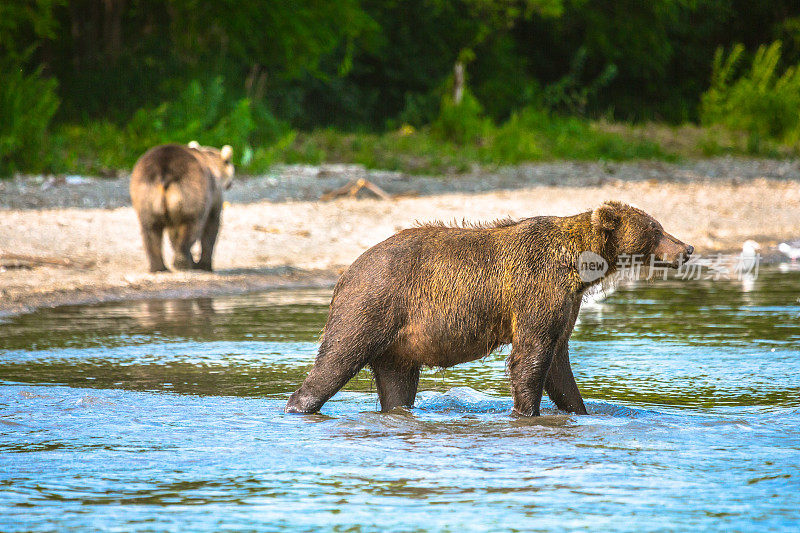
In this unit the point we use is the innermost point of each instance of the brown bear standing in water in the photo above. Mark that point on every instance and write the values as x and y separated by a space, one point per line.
178 188
439 296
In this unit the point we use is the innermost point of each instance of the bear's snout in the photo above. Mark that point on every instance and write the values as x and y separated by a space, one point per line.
687 254
672 252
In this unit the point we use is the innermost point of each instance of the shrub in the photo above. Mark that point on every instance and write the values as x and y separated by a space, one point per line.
533 133
206 114
517 140
762 101
461 122
201 112
570 94
27 104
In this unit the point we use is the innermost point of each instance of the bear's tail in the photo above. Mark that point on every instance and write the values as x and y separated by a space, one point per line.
169 164
168 173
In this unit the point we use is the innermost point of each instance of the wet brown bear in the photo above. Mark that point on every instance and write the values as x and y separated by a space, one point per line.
178 188
439 296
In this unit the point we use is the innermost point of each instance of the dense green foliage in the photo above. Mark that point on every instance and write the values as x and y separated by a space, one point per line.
528 135
28 100
761 101
27 104
89 85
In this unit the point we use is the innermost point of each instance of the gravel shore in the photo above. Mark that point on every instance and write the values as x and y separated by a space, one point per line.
277 234
304 182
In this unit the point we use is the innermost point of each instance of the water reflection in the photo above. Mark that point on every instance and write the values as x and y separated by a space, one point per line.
278 315
152 314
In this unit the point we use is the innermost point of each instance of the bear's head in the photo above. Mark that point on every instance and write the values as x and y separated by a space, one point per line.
218 162
626 231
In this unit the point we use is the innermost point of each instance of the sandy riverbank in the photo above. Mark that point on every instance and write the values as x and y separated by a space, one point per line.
272 239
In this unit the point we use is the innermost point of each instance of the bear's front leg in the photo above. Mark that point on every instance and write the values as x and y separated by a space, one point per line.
527 369
561 386
560 383
534 345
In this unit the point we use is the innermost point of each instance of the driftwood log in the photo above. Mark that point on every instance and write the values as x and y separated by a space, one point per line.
352 189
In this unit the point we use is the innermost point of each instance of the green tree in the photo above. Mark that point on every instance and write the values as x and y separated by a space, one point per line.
28 99
23 26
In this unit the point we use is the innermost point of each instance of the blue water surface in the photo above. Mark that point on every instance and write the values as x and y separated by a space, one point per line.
167 416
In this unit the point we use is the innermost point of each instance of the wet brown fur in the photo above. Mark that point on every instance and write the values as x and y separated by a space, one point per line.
469 224
438 296
178 188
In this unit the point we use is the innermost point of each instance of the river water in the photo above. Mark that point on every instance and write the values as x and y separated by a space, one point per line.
167 415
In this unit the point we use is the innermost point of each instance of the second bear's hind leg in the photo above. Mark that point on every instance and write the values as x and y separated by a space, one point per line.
152 234
208 239
182 237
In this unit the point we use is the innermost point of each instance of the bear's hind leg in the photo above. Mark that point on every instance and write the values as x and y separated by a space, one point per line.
153 235
330 373
397 385
207 240
182 237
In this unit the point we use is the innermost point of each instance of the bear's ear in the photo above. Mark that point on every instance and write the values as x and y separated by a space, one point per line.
606 217
226 152
194 145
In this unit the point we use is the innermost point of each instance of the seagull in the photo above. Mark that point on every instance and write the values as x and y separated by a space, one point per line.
790 250
749 256
747 267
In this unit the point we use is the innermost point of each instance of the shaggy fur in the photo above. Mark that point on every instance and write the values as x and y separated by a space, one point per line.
439 296
469 224
178 188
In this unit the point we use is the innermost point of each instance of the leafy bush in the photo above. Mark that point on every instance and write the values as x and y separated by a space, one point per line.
461 122
419 110
762 101
534 133
570 94
202 113
27 104
517 139
205 114
531 134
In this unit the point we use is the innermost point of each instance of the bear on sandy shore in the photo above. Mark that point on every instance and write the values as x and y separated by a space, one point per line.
439 296
178 188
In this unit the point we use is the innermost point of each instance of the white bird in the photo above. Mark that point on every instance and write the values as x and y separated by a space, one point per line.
790 250
749 256
748 264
